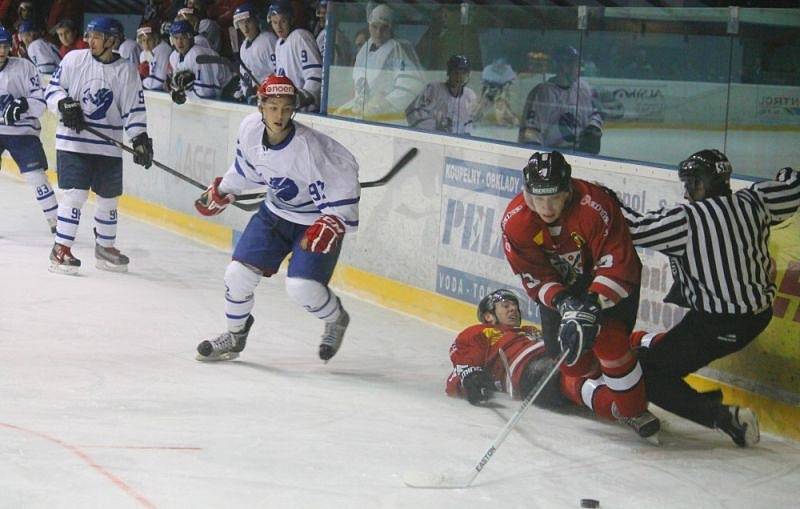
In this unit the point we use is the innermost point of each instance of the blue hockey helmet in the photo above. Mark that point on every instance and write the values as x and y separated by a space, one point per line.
243 12
281 7
458 63
5 36
181 27
106 26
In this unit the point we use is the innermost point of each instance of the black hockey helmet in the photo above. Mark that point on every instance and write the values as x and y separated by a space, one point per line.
564 55
458 63
547 173
709 166
487 303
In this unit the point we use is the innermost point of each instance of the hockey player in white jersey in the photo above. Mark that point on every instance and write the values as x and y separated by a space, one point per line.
187 78
95 87
21 105
203 25
126 48
42 53
446 106
257 51
386 73
154 57
312 201
563 112
296 55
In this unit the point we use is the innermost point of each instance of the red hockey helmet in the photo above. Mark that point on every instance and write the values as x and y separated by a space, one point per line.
274 86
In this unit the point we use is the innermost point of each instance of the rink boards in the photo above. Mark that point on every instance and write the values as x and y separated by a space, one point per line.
429 244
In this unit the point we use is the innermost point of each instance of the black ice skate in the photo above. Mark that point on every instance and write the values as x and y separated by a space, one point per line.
52 222
333 336
110 259
646 425
62 261
741 424
226 346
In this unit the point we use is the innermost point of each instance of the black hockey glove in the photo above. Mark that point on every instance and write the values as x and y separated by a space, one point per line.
477 384
143 146
71 114
183 80
303 99
589 140
14 110
579 325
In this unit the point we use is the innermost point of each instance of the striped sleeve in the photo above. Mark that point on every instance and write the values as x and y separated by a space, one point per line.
781 196
663 230
35 96
242 174
311 62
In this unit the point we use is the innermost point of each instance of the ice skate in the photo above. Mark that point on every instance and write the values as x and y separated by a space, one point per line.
741 424
52 222
646 425
226 346
62 261
333 336
110 259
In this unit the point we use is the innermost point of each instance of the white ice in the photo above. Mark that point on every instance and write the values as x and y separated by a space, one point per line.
104 405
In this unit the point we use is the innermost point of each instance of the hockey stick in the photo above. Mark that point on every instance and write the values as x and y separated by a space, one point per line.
399 165
163 166
233 66
450 481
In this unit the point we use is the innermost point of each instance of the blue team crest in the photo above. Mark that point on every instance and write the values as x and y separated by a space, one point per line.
285 188
96 99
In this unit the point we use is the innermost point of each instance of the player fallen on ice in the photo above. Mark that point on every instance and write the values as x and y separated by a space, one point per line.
500 354
21 105
312 201
95 87
568 242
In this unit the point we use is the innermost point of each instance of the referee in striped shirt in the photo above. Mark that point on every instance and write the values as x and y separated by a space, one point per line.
719 255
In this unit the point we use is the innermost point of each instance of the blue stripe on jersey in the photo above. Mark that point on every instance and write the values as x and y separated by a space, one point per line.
54 207
134 110
82 140
50 94
68 220
205 86
290 208
48 195
103 221
64 236
348 201
238 168
37 99
351 223
237 301
105 237
239 153
237 317
311 66
135 124
313 78
104 126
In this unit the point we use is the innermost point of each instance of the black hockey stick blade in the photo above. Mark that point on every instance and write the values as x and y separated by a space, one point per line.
399 165
157 164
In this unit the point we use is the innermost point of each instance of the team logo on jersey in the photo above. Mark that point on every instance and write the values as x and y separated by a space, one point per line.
285 188
492 335
577 239
96 99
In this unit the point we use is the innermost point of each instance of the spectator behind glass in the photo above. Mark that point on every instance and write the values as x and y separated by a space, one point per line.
563 112
495 104
342 50
61 10
68 36
386 73
446 106
42 53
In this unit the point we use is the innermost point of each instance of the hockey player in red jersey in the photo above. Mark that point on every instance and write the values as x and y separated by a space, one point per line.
499 354
568 241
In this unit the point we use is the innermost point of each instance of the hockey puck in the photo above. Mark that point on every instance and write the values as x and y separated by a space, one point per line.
590 502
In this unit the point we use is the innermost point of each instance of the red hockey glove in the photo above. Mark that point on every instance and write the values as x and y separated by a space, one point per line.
211 202
144 69
323 235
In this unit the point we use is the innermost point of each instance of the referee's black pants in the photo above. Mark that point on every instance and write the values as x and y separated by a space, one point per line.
696 341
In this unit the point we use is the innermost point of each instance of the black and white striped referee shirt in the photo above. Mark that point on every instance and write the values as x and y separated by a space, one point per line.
719 246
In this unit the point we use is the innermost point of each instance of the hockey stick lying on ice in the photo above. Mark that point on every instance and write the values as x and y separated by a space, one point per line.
164 167
449 481
399 165
230 64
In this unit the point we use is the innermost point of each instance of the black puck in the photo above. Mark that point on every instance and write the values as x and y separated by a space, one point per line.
590 502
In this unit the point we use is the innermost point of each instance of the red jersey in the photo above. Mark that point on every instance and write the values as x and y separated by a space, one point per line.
590 241
479 345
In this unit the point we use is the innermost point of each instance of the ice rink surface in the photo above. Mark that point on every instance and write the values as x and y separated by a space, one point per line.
104 405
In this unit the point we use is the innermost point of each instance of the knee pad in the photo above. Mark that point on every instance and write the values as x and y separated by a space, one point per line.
241 280
104 206
316 298
36 178
74 198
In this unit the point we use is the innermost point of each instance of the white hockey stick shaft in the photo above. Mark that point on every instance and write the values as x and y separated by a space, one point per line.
421 480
